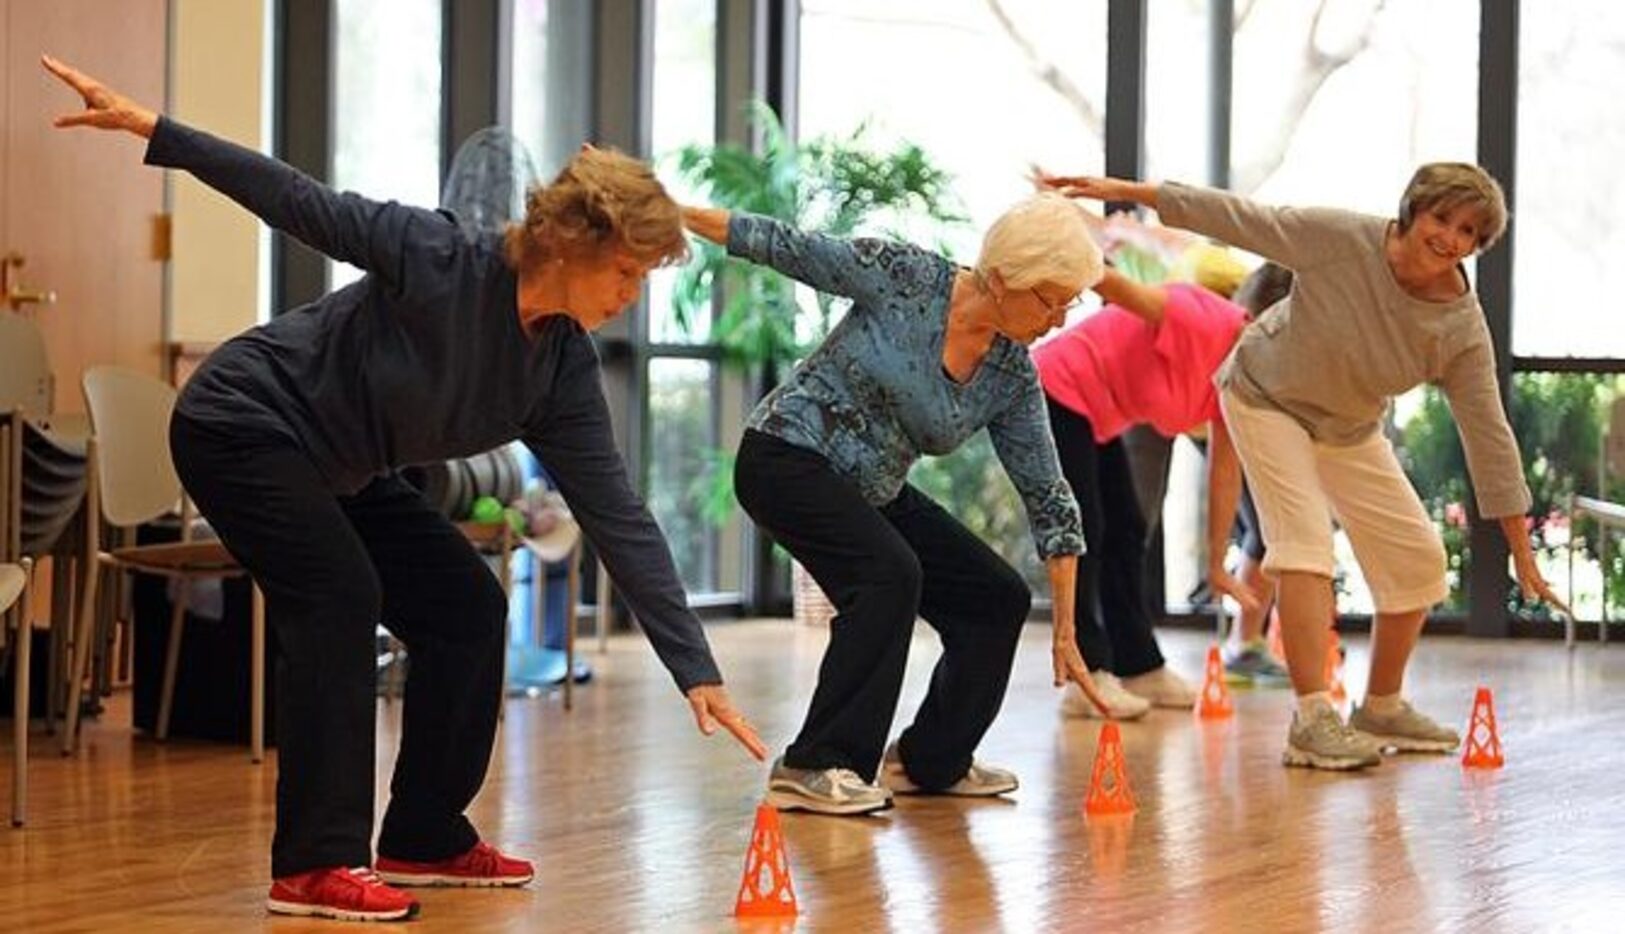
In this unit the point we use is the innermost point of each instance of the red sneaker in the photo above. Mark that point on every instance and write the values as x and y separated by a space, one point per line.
482 866
346 894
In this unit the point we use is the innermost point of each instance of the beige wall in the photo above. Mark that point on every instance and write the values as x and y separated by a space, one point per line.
218 57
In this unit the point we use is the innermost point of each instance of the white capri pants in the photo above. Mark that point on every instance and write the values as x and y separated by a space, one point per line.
1300 485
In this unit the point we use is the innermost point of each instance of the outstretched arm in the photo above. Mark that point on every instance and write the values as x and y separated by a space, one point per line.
1533 584
1146 301
1223 496
1101 188
375 236
855 268
707 223
105 109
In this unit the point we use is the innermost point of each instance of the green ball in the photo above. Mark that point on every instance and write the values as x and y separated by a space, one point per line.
487 509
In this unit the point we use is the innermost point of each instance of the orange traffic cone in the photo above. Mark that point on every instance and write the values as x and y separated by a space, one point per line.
1334 668
765 891
1214 701
1108 784
1483 742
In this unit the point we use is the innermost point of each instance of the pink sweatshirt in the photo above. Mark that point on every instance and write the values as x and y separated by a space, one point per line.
1118 371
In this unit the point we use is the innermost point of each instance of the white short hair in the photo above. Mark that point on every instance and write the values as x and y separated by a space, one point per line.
1042 239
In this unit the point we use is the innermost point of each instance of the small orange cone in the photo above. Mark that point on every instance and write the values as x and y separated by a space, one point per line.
1483 742
765 891
1108 785
1214 701
1334 669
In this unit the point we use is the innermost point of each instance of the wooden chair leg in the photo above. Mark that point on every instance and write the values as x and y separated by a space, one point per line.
81 656
59 649
606 594
172 658
574 584
19 704
256 678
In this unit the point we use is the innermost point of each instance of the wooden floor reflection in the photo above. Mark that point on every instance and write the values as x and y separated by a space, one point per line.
638 824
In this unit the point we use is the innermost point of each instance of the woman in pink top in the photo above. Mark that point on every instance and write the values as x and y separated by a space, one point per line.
1147 357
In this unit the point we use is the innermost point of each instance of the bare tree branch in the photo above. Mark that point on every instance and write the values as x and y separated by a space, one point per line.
1241 14
1317 65
1049 73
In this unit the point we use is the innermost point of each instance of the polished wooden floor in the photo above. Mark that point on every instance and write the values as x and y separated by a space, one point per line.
636 823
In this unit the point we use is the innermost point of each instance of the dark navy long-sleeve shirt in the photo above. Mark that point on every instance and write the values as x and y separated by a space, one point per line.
425 359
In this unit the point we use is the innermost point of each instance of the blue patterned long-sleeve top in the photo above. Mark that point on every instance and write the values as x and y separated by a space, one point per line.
874 396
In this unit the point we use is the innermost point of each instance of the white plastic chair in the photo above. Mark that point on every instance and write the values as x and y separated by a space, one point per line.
25 370
133 481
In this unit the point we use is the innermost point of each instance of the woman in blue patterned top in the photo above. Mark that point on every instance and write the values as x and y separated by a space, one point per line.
929 354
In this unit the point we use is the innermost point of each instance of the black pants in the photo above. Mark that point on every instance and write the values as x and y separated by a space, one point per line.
882 568
1114 629
333 567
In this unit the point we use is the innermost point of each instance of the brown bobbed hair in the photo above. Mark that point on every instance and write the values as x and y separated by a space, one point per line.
1449 185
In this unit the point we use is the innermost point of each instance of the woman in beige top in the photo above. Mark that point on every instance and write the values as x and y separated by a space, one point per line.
1378 306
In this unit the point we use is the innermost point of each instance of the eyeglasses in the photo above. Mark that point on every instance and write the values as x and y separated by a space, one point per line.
1056 310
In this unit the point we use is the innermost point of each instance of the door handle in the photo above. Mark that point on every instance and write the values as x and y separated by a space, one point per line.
13 292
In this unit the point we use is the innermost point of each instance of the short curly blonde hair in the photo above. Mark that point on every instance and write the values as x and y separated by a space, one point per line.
601 198
1449 185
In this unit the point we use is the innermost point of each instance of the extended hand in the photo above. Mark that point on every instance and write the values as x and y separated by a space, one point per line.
712 706
105 108
1069 666
1535 587
1220 581
1086 186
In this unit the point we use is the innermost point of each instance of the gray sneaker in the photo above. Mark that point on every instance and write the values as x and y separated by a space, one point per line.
1324 741
1405 730
1252 664
980 781
823 791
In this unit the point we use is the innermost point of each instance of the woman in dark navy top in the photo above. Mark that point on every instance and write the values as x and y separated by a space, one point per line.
288 437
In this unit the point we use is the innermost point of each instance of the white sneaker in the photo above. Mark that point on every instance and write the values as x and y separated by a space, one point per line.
824 791
980 780
1122 704
1162 688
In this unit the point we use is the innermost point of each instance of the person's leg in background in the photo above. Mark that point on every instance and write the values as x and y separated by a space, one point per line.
1137 658
1150 456
1247 659
1080 464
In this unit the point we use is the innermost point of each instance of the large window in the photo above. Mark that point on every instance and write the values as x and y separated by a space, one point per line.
1571 197
1178 89
681 446
386 104
987 88
1570 227
1337 103
683 438
685 93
